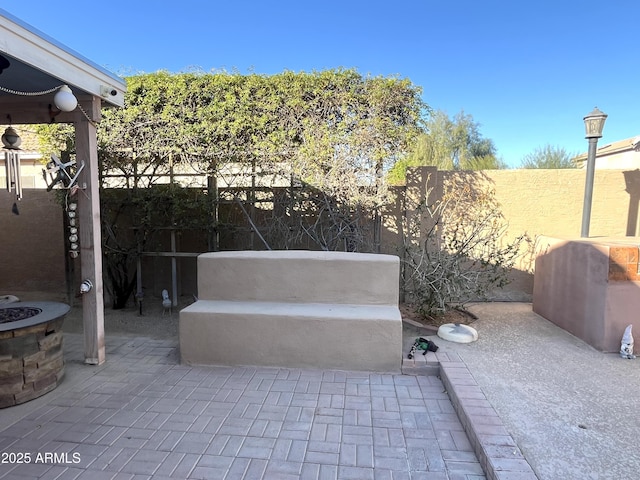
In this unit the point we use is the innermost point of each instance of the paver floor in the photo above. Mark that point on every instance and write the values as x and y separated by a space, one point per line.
142 415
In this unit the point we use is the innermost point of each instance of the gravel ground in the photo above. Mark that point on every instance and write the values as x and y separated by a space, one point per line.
153 322
156 323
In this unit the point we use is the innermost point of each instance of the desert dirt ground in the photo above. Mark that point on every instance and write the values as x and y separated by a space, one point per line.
152 320
155 322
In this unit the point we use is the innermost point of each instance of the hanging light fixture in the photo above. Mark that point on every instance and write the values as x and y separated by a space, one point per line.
11 139
65 100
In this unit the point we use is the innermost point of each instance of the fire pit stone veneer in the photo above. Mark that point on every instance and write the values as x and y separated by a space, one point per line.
31 355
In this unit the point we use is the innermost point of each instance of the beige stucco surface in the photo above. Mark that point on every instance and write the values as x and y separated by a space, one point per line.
536 202
295 309
32 255
573 288
299 276
621 309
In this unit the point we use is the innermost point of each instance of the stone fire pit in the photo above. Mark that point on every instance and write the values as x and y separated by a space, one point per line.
31 356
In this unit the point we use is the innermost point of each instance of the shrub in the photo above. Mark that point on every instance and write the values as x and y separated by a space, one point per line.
456 251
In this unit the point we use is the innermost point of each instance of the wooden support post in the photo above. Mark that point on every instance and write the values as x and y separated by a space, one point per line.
174 269
90 233
213 240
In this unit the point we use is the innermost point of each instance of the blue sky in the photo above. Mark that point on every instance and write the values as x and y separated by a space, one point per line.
528 72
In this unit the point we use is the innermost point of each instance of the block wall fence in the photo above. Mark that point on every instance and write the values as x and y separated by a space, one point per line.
536 202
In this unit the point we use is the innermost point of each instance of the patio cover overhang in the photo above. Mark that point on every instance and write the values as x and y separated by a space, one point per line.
38 63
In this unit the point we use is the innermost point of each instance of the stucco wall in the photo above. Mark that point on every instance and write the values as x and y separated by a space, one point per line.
549 202
538 202
32 255
589 287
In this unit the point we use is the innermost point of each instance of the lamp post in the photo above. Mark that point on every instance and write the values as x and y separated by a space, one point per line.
593 123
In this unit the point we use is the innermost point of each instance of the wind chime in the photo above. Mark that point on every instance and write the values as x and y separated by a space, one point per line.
11 141
61 173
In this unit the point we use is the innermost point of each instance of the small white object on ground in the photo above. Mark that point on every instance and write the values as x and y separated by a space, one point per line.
457 332
626 346
166 302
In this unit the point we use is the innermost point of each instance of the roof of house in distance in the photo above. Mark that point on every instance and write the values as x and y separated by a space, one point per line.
612 148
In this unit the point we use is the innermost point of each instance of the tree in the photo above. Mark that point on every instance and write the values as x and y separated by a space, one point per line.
449 144
335 131
549 157
455 251
319 123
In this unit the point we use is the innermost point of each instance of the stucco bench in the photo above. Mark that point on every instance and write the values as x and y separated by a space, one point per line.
295 309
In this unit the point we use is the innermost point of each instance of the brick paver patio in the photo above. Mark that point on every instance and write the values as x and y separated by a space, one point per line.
142 415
